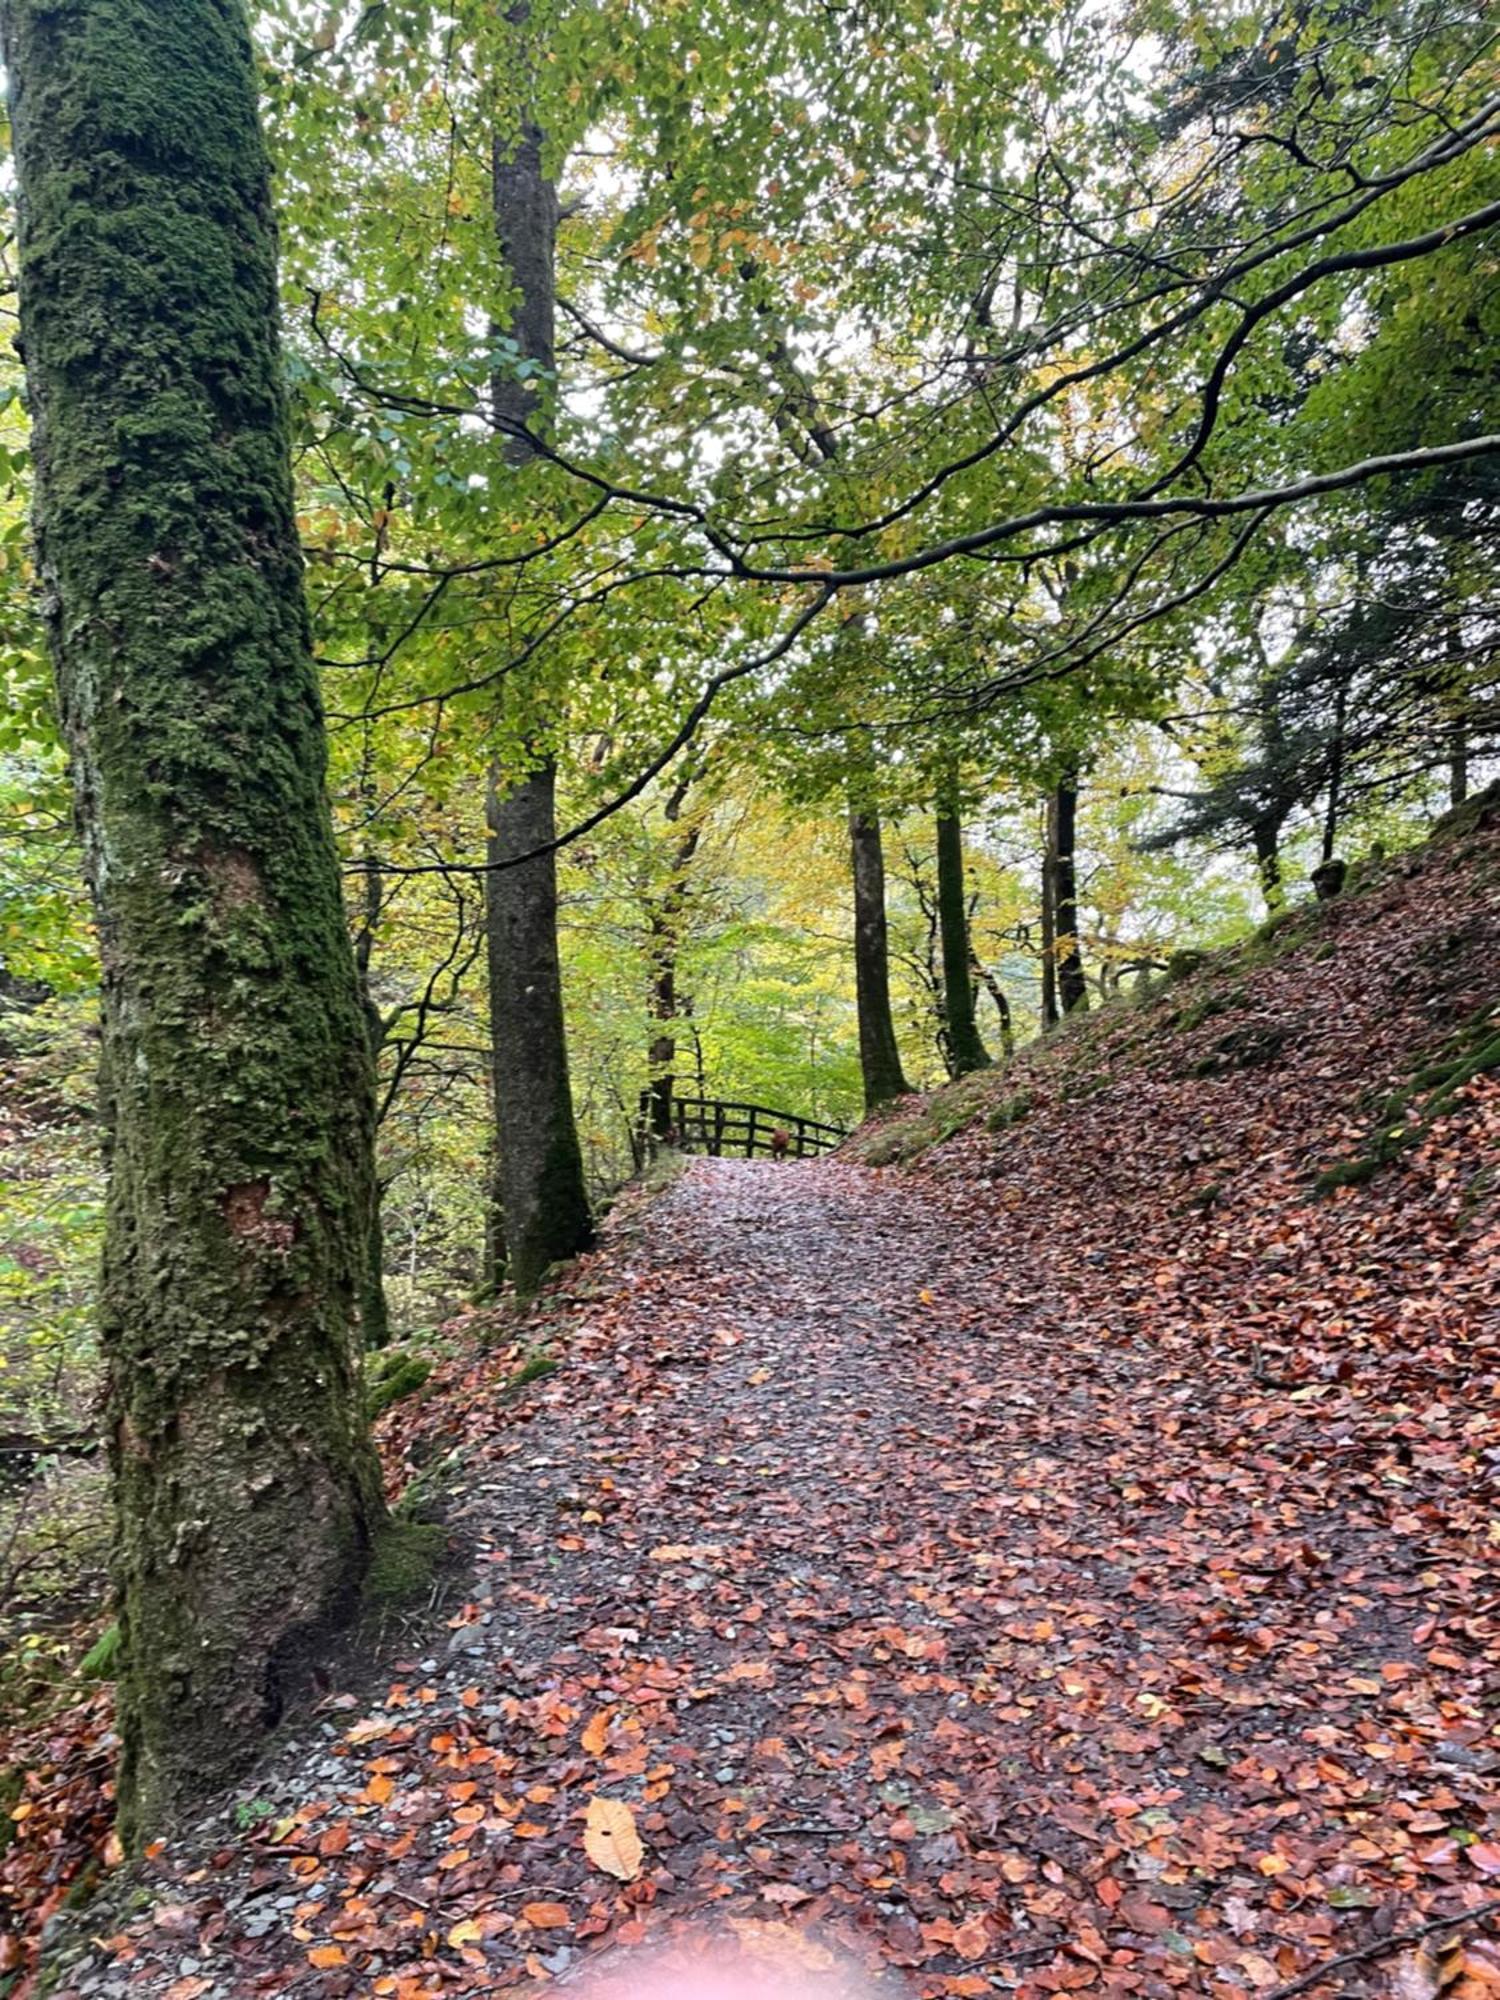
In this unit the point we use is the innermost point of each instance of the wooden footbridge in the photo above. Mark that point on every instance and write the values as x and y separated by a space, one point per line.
719 1126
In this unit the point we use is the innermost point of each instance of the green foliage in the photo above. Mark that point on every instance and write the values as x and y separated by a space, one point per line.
395 1375
100 1661
405 1564
252 1813
536 1365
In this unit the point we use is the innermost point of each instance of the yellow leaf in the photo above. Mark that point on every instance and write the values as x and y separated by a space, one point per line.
468 1932
610 1839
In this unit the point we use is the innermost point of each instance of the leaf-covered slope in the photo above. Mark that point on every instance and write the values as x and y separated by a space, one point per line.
1352 1043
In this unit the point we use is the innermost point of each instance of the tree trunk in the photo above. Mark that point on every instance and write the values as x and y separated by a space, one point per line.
541 1189
1457 732
539 1193
1072 987
665 927
1050 1014
967 1051
236 1069
1335 804
375 1318
1265 836
879 1056
996 992
375 1315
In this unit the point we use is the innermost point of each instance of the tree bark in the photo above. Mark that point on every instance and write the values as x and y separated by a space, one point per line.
879 1055
666 937
375 1317
539 1192
996 991
236 1070
1457 731
1265 836
1050 1014
966 1051
1335 803
1072 987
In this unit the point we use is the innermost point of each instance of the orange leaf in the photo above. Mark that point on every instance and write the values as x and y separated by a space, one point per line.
379 1789
972 1940
596 1736
610 1839
326 1955
547 1916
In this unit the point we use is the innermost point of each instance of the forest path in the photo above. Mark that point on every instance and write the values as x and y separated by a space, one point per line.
892 1605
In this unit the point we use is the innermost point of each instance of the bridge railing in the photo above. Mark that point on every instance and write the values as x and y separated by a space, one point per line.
717 1125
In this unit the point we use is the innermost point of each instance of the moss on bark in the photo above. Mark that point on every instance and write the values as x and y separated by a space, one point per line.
236 1068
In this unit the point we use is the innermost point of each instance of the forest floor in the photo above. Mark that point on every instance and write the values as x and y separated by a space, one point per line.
1063 1562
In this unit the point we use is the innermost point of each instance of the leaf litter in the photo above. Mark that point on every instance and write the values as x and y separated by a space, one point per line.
1015 1575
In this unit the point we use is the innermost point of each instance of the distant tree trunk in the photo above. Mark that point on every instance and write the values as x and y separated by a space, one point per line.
967 1051
996 992
375 1313
879 1055
1458 733
236 1069
1050 1013
539 1192
1335 771
1072 986
1266 837
666 928
375 1318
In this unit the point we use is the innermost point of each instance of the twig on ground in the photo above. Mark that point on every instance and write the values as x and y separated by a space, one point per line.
1378 1947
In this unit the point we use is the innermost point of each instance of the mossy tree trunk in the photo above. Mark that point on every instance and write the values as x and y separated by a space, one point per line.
539 1193
1265 837
966 1051
236 1085
879 1055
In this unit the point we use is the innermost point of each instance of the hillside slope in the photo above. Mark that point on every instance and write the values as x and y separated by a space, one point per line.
1293 1147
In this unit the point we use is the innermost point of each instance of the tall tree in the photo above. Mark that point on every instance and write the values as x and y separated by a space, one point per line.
236 1074
879 1056
965 1049
539 1193
1072 986
664 923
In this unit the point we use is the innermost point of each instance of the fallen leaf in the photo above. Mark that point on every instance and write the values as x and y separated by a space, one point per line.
610 1839
547 1916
